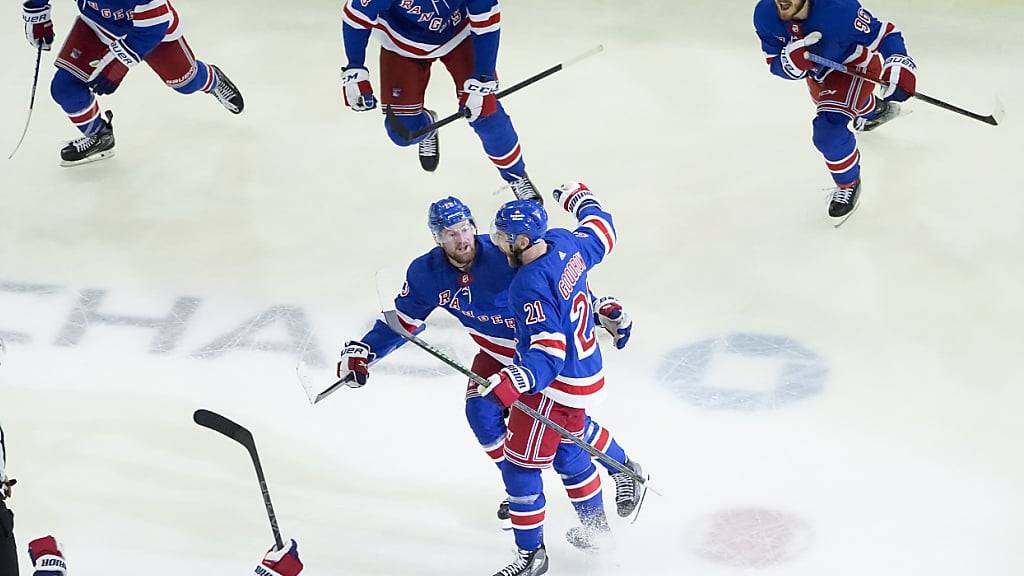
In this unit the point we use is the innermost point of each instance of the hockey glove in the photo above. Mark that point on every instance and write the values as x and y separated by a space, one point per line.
478 98
610 315
900 73
356 87
47 558
354 366
283 562
112 68
574 196
38 27
794 56
507 385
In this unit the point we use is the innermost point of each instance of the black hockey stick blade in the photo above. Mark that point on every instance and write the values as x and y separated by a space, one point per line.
333 388
393 322
240 434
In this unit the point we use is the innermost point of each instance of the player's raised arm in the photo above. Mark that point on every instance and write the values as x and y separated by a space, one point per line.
597 229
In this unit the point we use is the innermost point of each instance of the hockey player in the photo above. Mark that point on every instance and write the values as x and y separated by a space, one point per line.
557 369
48 559
842 31
107 39
464 35
468 277
8 548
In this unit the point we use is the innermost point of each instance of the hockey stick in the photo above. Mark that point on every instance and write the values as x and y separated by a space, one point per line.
991 119
407 134
31 102
236 432
333 388
391 318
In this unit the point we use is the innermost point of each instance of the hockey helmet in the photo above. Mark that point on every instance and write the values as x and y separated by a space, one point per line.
519 218
445 213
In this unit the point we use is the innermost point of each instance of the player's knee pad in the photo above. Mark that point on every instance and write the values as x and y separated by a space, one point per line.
71 93
830 130
412 124
571 461
486 419
522 484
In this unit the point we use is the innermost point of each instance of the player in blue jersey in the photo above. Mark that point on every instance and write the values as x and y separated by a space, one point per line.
463 35
468 277
841 31
108 38
557 368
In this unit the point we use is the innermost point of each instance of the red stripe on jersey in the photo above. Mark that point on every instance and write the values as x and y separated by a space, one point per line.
508 159
560 345
603 229
398 41
577 390
585 491
496 348
498 454
151 13
602 440
411 328
485 23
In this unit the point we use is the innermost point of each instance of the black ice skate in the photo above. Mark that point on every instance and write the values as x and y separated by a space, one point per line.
504 516
524 190
98 146
528 563
430 148
883 112
593 535
227 93
844 202
628 492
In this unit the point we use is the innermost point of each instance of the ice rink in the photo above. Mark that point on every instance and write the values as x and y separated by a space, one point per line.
810 400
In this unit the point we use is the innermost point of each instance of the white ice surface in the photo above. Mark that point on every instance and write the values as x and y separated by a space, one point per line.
905 461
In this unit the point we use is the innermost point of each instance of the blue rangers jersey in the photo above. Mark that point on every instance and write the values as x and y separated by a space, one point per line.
477 298
142 24
423 29
555 339
850 34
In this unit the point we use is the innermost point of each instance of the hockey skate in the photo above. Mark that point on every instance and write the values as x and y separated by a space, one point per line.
227 93
883 112
843 203
504 516
592 536
524 190
628 492
528 563
430 148
98 146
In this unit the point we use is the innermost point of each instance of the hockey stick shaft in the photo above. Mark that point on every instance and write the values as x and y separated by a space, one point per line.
31 102
407 134
239 434
391 318
990 119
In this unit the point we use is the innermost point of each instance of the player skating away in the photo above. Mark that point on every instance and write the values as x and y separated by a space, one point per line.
108 38
841 31
557 370
464 36
468 277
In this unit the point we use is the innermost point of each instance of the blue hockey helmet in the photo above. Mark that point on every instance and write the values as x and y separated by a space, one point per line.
519 217
445 213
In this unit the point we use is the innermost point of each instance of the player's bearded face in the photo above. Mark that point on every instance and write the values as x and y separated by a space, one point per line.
459 242
788 9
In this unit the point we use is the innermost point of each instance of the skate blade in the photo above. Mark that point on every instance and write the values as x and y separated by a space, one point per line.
903 112
837 222
640 503
89 160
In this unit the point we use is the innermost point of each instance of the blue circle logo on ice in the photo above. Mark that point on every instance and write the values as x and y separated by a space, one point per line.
743 371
